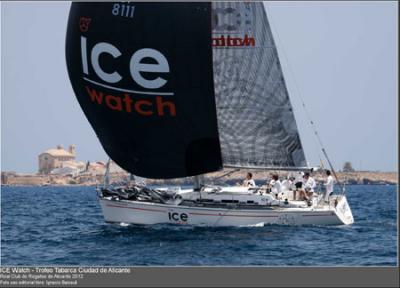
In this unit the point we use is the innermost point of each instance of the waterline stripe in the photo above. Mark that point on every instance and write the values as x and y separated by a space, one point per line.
134 208
127 90
231 215
315 215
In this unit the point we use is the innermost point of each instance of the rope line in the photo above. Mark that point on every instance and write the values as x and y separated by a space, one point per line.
299 95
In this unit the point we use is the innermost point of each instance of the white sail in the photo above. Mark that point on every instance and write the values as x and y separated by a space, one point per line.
256 123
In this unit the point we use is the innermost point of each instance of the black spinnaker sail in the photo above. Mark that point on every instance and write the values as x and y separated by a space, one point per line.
143 75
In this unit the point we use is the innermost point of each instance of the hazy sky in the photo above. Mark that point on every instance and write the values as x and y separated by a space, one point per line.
343 56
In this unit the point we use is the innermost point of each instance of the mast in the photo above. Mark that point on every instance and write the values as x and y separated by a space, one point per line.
106 174
198 182
132 178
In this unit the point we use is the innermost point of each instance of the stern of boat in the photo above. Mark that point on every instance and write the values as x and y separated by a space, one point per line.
343 210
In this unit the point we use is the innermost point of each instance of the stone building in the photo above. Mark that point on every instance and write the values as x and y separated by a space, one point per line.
54 158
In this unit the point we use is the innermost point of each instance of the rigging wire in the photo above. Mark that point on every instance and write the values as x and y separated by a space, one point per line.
299 95
229 173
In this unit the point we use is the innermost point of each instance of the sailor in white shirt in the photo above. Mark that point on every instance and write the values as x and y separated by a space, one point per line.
309 185
287 184
249 182
275 185
328 186
286 188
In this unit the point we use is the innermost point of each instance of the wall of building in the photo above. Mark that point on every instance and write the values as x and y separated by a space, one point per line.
48 162
26 180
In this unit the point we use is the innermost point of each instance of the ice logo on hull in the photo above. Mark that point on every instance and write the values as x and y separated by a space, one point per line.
181 218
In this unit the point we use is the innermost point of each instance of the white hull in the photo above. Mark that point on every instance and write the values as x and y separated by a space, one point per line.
147 213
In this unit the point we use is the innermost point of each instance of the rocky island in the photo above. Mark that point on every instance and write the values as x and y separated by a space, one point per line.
57 166
90 178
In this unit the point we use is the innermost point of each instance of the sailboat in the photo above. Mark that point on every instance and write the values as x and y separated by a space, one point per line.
177 90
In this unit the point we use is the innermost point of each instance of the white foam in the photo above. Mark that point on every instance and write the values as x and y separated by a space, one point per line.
261 224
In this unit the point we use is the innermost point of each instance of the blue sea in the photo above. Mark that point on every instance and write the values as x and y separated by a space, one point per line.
64 226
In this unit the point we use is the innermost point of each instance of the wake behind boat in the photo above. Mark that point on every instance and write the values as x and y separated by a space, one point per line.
202 91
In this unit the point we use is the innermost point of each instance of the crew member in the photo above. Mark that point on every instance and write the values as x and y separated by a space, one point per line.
298 184
309 185
275 185
328 185
249 182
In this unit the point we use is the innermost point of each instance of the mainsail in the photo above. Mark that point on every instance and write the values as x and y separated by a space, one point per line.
256 124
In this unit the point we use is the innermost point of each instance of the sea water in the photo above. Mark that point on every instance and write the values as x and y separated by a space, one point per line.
64 226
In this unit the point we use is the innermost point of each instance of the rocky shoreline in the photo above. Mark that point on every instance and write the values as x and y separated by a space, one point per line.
260 176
